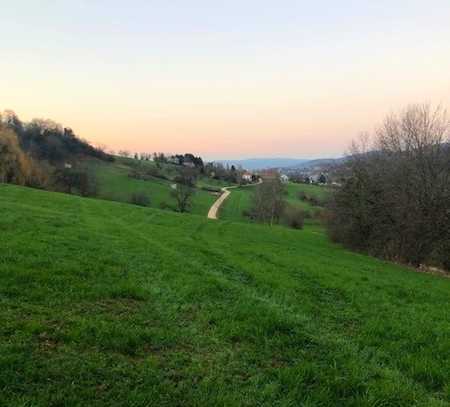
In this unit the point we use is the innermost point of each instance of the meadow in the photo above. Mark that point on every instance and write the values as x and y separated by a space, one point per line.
317 191
113 183
109 304
239 201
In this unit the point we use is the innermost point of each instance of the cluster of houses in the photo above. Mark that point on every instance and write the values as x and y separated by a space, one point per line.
248 176
320 178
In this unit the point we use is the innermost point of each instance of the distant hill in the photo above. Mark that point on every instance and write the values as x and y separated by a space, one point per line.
264 163
294 164
321 162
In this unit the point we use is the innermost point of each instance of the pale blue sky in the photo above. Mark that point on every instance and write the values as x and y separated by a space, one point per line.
231 78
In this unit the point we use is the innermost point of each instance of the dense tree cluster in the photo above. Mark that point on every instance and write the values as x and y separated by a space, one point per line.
395 202
228 173
47 140
15 166
39 154
187 159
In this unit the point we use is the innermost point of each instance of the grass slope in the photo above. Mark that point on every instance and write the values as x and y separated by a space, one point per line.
237 202
113 183
240 200
318 191
103 303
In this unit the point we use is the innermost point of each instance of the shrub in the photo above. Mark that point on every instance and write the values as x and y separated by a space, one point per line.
210 189
247 213
135 174
311 199
293 217
164 205
302 195
153 172
140 199
319 214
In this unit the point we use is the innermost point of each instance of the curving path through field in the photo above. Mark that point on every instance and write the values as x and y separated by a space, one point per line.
213 211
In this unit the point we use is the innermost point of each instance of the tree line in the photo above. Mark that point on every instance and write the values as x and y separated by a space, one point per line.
395 201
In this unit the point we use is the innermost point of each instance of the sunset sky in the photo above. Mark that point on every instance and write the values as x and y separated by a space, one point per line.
224 79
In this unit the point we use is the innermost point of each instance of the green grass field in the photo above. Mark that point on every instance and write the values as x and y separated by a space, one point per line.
206 182
113 183
237 202
317 191
108 304
240 200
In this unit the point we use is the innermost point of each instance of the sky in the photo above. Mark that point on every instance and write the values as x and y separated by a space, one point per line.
223 79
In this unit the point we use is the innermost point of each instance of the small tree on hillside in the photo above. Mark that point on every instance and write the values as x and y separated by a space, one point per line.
185 183
183 196
268 201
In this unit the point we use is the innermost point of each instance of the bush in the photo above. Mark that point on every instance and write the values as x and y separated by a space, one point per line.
293 217
302 195
164 205
153 172
210 189
135 174
247 213
312 200
140 199
319 214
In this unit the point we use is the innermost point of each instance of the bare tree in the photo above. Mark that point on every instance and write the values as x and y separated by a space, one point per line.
396 200
184 189
268 201
183 196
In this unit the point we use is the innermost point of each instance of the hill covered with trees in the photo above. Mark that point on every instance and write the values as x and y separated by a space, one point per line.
41 153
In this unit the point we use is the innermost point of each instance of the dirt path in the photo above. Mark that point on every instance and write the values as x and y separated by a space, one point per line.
213 211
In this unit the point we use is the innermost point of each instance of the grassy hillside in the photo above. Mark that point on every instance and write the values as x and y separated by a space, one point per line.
113 183
316 191
237 202
240 200
320 192
104 303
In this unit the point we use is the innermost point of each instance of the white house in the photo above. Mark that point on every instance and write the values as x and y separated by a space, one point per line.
284 178
247 176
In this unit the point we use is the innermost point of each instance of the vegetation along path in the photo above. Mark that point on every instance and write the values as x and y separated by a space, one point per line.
214 210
